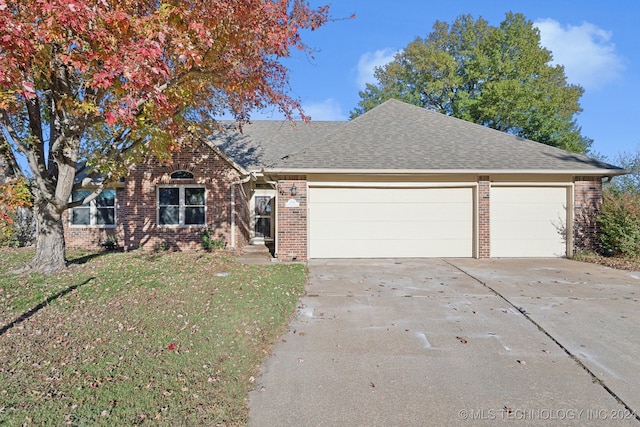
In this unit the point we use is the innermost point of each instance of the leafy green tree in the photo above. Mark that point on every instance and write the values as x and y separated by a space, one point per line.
629 183
498 77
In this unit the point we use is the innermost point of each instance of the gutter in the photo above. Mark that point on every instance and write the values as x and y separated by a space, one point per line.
305 171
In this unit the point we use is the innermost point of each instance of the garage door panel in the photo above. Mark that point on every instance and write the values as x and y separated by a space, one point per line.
379 230
534 230
394 248
528 221
389 213
388 195
390 222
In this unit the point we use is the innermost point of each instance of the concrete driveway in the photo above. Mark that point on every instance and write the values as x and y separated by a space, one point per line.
457 342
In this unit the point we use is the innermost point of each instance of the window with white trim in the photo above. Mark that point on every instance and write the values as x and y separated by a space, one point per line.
181 206
100 212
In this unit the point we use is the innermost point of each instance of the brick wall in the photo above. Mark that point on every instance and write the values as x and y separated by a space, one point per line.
587 203
292 220
484 217
136 213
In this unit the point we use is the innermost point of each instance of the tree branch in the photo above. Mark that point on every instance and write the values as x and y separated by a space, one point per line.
7 153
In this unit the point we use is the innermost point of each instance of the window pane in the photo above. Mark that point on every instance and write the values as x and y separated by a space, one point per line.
105 216
263 227
193 196
169 215
194 216
81 216
106 198
262 205
169 196
79 195
181 175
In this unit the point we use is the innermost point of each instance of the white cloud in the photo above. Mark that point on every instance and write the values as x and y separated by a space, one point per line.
329 110
368 62
586 51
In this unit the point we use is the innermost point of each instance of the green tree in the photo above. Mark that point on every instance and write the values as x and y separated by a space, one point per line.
629 183
498 77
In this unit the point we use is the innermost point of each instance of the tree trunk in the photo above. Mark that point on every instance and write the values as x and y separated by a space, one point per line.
50 244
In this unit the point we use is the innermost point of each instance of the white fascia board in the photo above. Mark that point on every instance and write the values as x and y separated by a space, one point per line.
572 172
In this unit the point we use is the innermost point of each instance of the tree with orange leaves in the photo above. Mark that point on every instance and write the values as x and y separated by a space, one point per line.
101 83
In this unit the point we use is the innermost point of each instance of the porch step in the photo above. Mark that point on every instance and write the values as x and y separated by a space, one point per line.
256 254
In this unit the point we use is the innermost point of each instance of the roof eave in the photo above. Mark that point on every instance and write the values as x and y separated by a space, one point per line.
573 172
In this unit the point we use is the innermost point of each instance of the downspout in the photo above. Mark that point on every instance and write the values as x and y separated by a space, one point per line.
233 205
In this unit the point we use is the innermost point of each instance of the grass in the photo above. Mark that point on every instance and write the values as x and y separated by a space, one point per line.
133 338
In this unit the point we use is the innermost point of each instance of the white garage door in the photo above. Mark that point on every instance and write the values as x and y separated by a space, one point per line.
528 221
390 222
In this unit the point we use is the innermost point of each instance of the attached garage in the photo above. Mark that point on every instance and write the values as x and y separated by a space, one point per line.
383 222
528 221
400 181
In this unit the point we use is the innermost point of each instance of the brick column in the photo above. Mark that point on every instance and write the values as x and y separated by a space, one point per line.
292 218
586 207
484 217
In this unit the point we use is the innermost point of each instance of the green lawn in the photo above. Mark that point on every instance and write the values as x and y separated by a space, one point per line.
135 338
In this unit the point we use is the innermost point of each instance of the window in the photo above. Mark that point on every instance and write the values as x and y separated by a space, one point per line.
181 175
181 206
100 212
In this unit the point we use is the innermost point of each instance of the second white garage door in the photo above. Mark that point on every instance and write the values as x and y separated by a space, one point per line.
390 222
528 221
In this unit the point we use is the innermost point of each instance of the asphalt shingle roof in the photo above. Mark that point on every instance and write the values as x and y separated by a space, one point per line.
264 144
397 136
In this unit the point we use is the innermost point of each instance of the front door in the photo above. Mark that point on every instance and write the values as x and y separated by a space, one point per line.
263 202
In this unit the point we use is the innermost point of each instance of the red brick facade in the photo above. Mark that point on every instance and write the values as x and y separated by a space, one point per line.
137 205
292 218
484 218
587 203
137 209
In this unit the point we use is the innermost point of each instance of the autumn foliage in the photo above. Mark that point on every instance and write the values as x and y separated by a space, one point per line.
14 194
101 83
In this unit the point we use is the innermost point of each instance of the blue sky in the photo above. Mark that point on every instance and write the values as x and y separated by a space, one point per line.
596 41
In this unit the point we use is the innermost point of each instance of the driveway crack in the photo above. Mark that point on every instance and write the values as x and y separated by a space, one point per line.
575 358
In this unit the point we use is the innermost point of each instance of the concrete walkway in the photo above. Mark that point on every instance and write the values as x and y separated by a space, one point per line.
457 342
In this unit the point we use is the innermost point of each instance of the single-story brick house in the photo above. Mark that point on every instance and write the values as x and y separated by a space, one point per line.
398 181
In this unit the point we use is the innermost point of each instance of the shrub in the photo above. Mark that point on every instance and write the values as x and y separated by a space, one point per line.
161 246
620 223
209 243
110 243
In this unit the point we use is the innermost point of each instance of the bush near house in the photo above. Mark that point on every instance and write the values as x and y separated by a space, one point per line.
619 219
620 223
